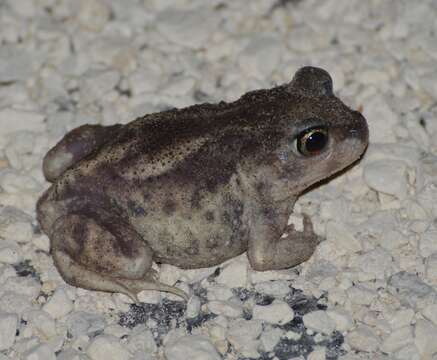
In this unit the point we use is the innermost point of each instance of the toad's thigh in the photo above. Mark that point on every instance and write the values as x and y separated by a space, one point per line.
102 243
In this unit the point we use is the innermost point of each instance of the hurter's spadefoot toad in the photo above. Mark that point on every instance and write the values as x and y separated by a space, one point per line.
194 187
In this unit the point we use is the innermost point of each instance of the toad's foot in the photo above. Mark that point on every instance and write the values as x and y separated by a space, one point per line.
79 276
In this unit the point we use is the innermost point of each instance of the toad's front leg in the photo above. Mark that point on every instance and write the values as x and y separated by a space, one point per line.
268 250
98 251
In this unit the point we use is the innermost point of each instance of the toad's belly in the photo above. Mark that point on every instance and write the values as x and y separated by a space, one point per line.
195 244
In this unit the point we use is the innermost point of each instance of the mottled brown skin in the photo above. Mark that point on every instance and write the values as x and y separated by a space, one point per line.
193 187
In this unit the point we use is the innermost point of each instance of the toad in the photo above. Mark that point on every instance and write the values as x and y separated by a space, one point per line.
194 187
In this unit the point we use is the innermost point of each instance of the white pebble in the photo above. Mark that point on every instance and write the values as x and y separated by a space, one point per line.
431 269
411 290
19 231
261 56
59 304
95 84
40 352
232 309
107 347
191 347
428 243
342 238
187 27
93 14
278 312
270 337
12 120
8 329
388 177
15 64
375 264
193 307
409 352
342 318
401 318
319 321
141 340
317 354
363 338
278 288
15 182
397 340
219 292
15 303
80 323
243 335
234 274
27 286
381 120
42 323
10 252
425 338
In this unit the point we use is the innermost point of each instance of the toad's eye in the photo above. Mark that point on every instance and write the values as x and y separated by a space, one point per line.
312 141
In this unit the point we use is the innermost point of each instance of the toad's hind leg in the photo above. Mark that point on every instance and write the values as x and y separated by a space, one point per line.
103 253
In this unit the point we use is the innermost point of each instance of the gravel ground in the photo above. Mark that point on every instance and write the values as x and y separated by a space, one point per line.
369 291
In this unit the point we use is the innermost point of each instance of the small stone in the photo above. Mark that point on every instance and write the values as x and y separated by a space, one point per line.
261 55
179 86
141 340
425 338
8 329
234 274
318 354
362 338
427 243
42 323
278 312
341 238
95 84
217 334
15 182
19 231
59 304
71 354
243 335
93 14
343 320
388 177
278 288
15 303
411 290
23 285
219 292
361 295
191 347
375 264
15 65
431 269
187 27
22 7
80 323
193 307
376 109
10 252
401 318
409 352
13 120
319 321
107 347
40 352
270 338
397 340
232 309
